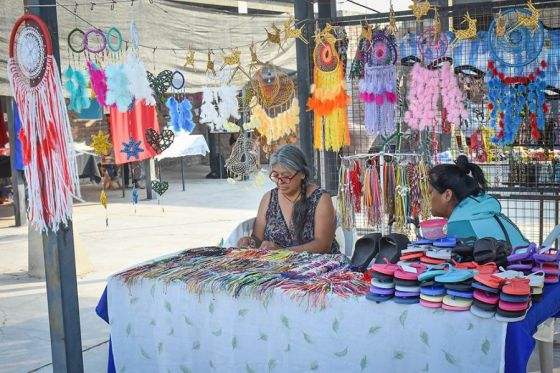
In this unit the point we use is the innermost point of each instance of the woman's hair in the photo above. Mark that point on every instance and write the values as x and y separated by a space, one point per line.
456 178
291 157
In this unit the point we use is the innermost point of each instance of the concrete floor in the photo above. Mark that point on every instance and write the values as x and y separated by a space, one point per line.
202 215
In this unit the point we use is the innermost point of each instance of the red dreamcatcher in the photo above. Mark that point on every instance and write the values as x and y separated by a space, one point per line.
48 153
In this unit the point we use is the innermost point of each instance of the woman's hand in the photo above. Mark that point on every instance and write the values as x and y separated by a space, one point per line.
268 245
246 243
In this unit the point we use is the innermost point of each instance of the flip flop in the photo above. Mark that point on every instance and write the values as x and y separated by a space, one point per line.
406 272
517 286
408 289
486 297
381 291
506 316
551 279
485 250
422 242
536 298
465 265
450 300
481 313
479 286
429 304
487 268
412 248
485 306
546 255
428 260
406 300
463 250
447 242
521 266
521 253
453 308
514 298
432 291
432 298
455 275
536 291
382 285
365 249
432 271
381 277
385 268
509 274
513 306
406 294
390 247
378 298
401 282
462 294
444 254
411 256
460 286
489 280
548 269
536 279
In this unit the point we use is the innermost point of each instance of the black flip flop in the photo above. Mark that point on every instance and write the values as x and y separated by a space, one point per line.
485 250
382 277
460 286
390 248
400 282
365 249
510 314
485 306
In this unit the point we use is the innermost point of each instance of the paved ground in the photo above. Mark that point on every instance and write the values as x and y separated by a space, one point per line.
202 215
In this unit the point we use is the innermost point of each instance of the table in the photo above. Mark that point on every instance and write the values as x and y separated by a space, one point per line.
155 327
184 144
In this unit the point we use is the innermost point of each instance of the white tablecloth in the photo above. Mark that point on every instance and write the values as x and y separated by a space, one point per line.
185 144
164 328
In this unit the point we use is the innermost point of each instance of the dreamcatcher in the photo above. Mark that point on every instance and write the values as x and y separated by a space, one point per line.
218 105
364 44
48 154
114 41
75 42
329 98
94 44
516 37
180 110
275 109
378 87
243 159
432 45
138 83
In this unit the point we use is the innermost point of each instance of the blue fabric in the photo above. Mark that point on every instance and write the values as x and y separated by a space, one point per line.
102 310
93 112
476 216
519 338
17 127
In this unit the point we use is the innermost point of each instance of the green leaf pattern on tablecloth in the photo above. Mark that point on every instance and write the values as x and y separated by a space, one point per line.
285 321
153 290
160 347
184 369
211 364
288 348
217 333
450 358
271 365
363 363
398 355
485 346
187 320
168 306
153 322
249 369
307 338
196 345
171 332
471 326
426 368
402 317
144 353
263 337
335 325
234 342
242 312
425 338
314 366
211 308
133 300
342 353
374 329
128 329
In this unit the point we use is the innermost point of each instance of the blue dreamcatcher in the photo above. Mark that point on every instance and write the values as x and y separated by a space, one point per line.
516 37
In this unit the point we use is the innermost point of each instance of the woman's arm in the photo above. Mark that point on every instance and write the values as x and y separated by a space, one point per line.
258 227
325 226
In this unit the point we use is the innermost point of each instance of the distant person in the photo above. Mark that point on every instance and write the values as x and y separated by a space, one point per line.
296 215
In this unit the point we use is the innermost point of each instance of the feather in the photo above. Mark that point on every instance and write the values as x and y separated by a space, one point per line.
185 116
98 82
118 93
138 83
173 107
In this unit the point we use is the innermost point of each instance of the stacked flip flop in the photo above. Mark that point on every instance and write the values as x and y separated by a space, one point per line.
458 289
486 295
431 292
529 259
407 286
515 299
383 282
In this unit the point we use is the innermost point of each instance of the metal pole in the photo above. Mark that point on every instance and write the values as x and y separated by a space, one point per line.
18 186
148 177
182 174
303 10
60 262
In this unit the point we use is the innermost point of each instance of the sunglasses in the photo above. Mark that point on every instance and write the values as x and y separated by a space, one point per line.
277 179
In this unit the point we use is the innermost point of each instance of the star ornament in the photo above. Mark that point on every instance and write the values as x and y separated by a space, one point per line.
100 143
132 148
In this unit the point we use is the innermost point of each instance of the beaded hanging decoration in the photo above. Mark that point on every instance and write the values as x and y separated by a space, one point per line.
329 97
114 42
378 87
100 143
160 83
364 44
389 187
275 108
345 203
132 148
372 196
159 141
94 43
243 158
103 201
514 98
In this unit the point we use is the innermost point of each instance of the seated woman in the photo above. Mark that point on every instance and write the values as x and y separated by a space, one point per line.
297 215
458 193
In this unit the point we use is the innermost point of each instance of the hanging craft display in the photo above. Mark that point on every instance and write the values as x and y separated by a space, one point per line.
98 83
100 143
273 37
364 44
134 197
514 98
160 83
378 87
275 108
177 80
160 187
218 105
329 99
132 148
189 58
516 38
469 32
424 95
77 87
159 141
76 40
292 32
118 93
180 115
432 45
114 40
95 42
137 76
243 158
103 201
420 9
49 159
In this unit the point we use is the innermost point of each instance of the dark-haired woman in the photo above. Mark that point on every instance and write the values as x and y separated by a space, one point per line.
458 193
296 215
